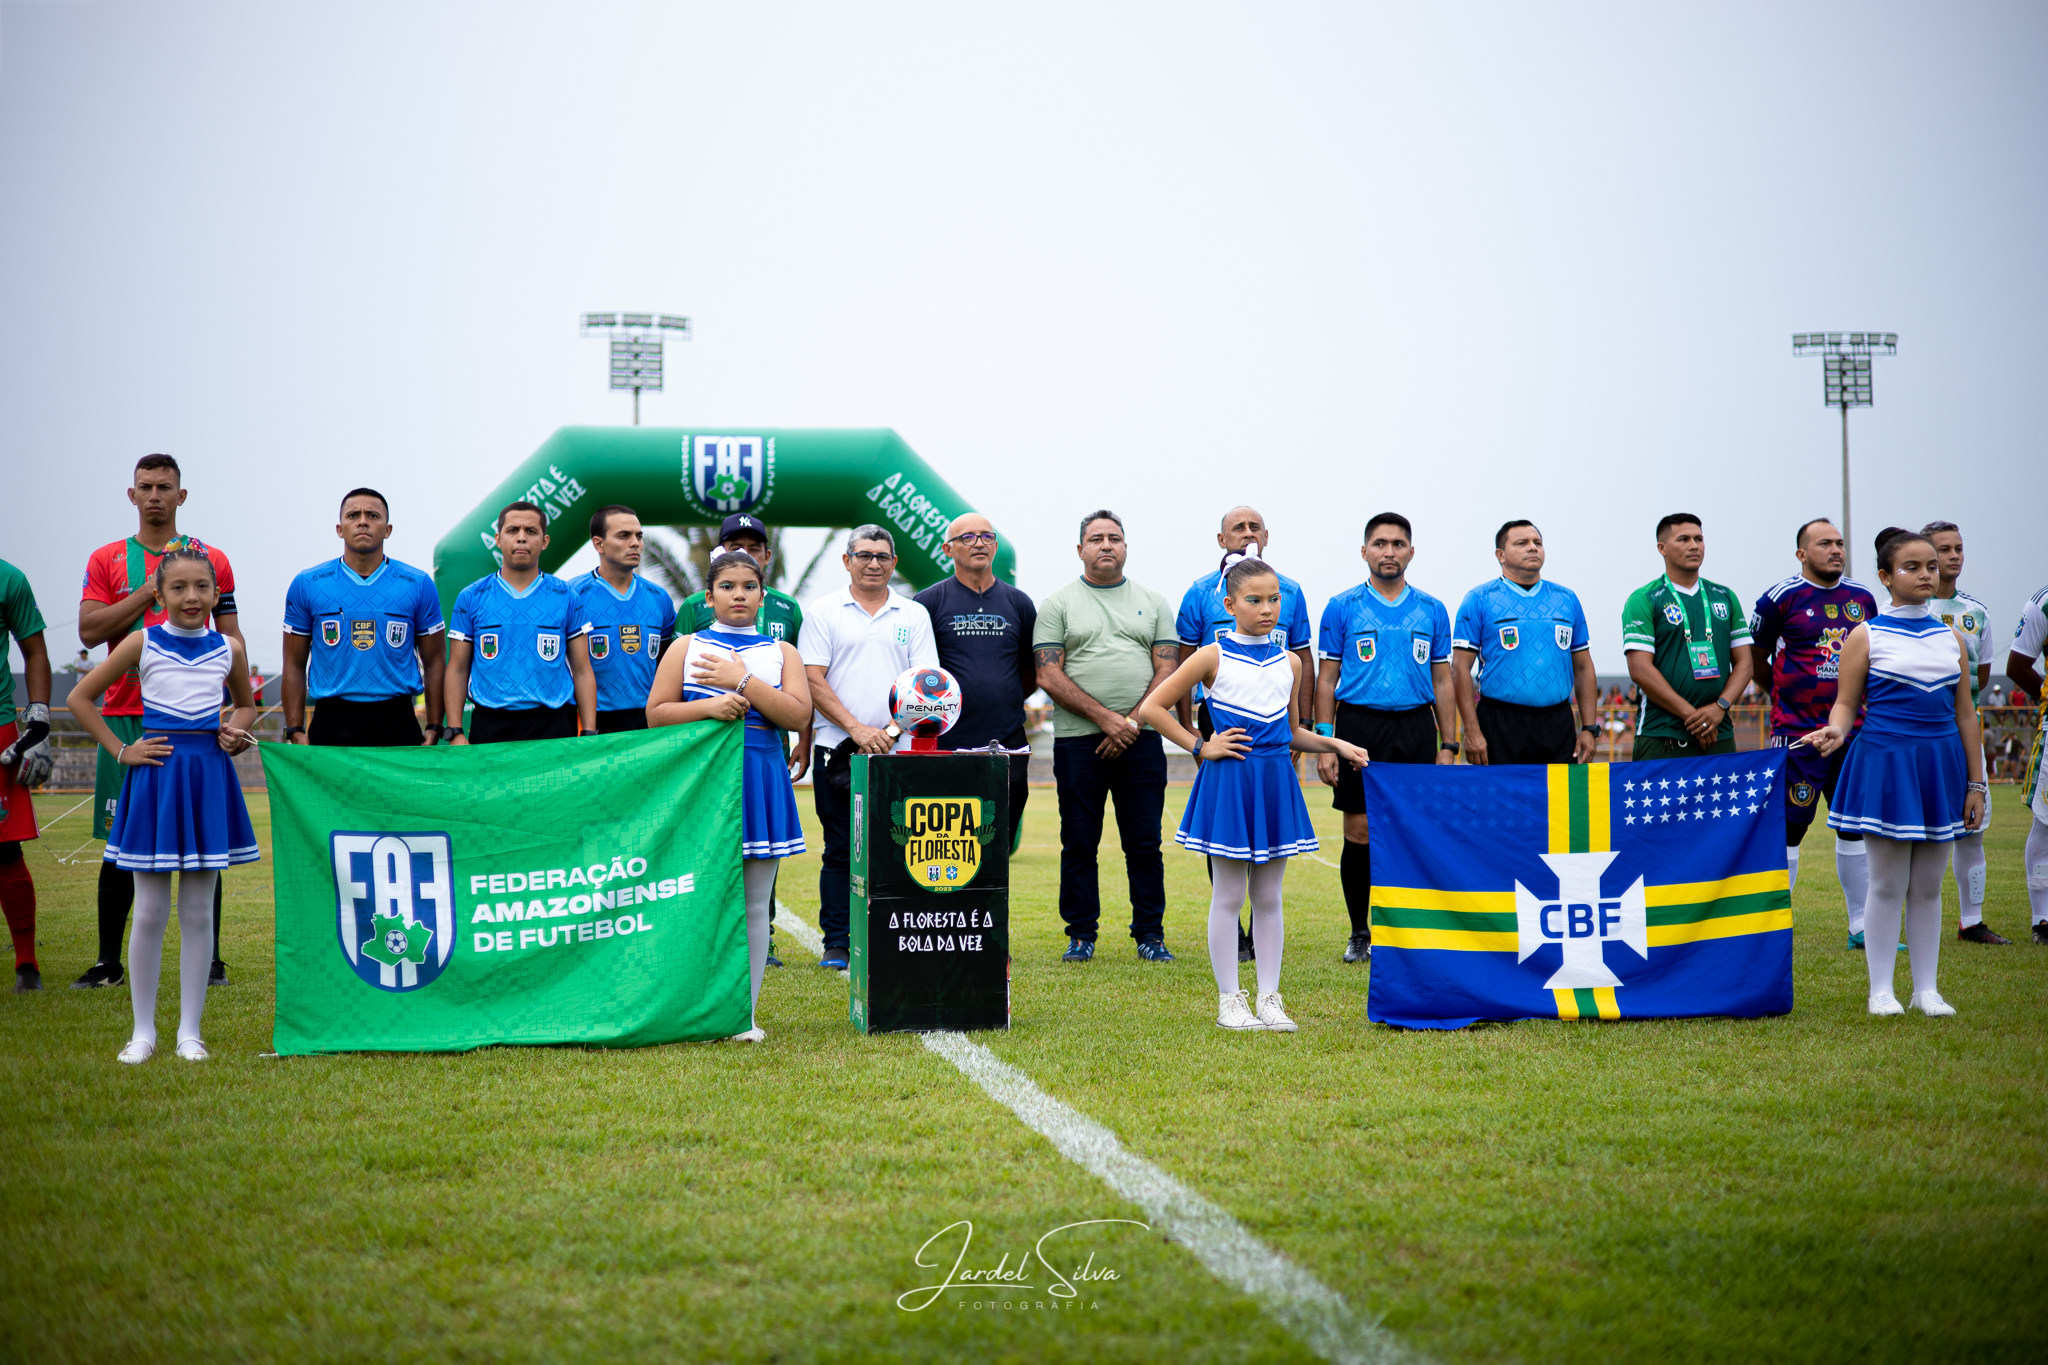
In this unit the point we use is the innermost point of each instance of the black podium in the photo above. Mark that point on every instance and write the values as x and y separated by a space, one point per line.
930 916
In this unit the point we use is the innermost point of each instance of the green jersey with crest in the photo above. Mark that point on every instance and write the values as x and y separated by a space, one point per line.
1690 637
1972 622
780 619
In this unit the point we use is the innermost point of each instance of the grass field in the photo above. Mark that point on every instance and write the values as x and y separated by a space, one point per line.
1818 1187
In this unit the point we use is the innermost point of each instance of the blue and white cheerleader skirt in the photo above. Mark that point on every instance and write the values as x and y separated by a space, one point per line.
769 826
185 816
1249 809
1902 788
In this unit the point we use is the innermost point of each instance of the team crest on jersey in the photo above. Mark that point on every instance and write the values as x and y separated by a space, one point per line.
942 837
487 645
1673 614
1969 624
600 646
395 633
1855 610
1563 635
1830 647
1831 610
1510 637
629 639
776 629
549 644
1801 793
330 633
1368 647
730 473
394 906
1720 611
362 634
1419 647
903 635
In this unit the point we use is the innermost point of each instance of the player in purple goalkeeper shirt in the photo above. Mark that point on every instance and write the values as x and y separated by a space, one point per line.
1799 626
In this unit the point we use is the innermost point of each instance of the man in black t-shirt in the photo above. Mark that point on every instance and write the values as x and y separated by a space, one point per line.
982 627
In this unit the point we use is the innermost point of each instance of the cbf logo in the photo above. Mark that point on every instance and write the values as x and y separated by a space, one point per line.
1674 615
730 473
1581 919
942 838
395 906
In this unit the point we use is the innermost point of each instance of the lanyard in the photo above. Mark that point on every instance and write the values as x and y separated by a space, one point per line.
1684 616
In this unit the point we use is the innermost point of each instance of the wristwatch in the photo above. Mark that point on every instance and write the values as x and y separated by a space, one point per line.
893 731
451 733
1454 748
1721 702
1592 730
291 730
1326 730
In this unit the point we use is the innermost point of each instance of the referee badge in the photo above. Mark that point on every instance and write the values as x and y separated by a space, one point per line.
1368 646
487 645
629 639
1419 646
600 646
394 634
549 643
330 633
1564 637
362 634
1510 637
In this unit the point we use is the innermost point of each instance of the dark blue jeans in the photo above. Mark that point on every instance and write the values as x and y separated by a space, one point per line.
1136 778
835 869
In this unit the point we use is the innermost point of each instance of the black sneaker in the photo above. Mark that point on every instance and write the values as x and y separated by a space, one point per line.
28 978
1078 950
97 975
1980 932
1154 950
773 960
2041 931
1359 949
218 975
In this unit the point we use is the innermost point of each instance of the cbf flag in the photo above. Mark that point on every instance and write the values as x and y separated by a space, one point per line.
1579 891
559 891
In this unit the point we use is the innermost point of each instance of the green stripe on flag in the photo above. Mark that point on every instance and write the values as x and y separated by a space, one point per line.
1466 921
1754 903
1589 1008
1581 836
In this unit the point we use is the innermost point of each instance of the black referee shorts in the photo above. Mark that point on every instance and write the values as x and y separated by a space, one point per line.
1387 737
1527 734
387 723
619 722
493 725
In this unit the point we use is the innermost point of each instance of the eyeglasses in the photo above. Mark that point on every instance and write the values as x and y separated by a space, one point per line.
871 557
975 538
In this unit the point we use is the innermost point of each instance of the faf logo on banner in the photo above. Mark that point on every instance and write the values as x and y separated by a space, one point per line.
395 906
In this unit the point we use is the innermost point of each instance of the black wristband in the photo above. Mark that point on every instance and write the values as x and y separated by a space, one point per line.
451 732
291 730
1451 747
1591 729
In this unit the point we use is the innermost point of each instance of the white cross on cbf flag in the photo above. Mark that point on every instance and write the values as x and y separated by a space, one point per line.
1581 920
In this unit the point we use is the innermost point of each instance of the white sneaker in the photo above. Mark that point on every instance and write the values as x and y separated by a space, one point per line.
137 1052
1884 1002
1932 1005
756 1034
192 1050
1272 1015
1234 1011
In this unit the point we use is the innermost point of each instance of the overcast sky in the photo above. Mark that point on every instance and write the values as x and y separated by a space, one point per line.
1469 262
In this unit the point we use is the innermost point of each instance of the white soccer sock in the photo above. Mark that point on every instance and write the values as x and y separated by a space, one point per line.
1890 866
1923 913
1226 896
759 875
1969 862
1792 865
1854 869
146 948
195 948
1269 934
2037 869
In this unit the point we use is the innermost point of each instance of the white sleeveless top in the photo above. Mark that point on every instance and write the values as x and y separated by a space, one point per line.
183 672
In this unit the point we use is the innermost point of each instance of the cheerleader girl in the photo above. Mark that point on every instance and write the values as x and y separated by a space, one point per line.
1246 812
1914 779
732 672
180 808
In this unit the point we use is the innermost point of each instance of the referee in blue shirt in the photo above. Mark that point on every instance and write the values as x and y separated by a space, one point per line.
362 638
1530 639
1384 684
631 619
516 646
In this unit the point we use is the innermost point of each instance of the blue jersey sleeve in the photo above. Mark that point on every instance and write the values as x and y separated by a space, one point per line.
1471 624
1440 636
575 620
1193 622
1330 631
1581 637
1298 636
298 616
426 611
463 625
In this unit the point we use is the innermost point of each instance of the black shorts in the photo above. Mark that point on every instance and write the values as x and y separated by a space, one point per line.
1387 737
385 724
1809 776
1527 734
490 725
619 722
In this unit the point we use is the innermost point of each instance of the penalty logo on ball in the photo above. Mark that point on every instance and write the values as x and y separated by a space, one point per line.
395 906
925 701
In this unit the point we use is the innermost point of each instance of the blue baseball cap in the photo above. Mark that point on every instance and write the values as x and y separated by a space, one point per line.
738 522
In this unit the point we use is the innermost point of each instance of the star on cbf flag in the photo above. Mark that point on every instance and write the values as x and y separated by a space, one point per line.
1579 891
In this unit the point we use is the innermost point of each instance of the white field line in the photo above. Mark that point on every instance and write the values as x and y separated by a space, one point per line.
792 924
1304 1305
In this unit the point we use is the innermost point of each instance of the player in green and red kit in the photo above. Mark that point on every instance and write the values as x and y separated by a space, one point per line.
1687 643
25 761
120 597
781 619
1972 621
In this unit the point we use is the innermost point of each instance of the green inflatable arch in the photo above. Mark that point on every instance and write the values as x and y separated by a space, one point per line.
698 476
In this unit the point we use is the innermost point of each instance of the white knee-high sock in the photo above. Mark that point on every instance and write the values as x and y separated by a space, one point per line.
1923 913
1792 865
146 948
2037 869
195 948
1269 934
1854 869
759 875
1891 876
1969 861
1226 897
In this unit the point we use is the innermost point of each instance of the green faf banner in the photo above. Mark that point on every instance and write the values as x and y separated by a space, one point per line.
558 891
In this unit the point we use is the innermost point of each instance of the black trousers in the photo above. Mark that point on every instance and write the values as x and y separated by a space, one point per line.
387 723
834 805
619 722
492 725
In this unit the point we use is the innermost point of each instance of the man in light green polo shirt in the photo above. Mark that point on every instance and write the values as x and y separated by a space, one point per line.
1687 642
1101 643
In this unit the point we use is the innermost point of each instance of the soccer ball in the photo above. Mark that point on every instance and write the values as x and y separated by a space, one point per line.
396 941
924 701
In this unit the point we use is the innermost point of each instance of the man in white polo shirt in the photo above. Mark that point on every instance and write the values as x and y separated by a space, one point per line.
854 644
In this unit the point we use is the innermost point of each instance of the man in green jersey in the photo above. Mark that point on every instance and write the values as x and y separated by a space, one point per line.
1968 617
1687 642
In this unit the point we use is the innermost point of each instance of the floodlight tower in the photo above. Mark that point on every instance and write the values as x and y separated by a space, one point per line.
1846 384
636 348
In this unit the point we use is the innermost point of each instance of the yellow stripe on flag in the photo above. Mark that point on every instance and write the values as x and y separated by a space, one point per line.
1598 834
1603 996
1699 893
1559 776
1728 926
1429 898
1567 1004
1460 940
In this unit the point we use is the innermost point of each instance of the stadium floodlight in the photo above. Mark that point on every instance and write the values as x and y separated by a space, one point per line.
635 348
1845 384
